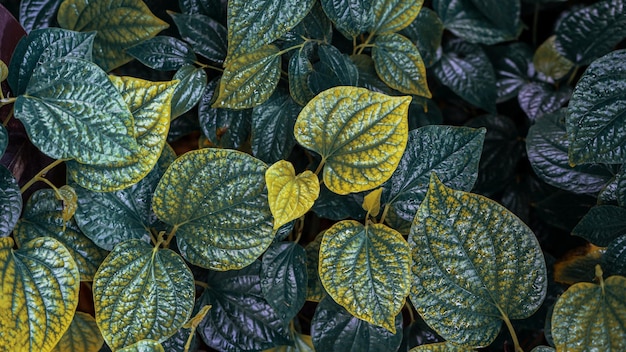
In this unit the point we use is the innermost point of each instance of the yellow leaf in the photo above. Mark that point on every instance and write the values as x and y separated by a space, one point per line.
290 196
371 203
70 201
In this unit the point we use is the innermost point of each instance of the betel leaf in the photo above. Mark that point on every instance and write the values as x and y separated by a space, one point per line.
212 8
440 347
314 289
207 36
371 202
142 292
217 202
300 68
368 78
549 61
466 69
40 284
334 329
109 218
249 79
513 67
73 101
36 14
547 146
451 152
602 224
360 135
399 64
284 278
596 116
333 69
302 343
365 269
331 205
10 201
44 45
191 84
290 196
537 99
143 346
272 136
240 318
120 24
591 317
255 24
163 53
426 32
504 14
316 25
471 273
391 16
351 17
614 259
82 335
590 32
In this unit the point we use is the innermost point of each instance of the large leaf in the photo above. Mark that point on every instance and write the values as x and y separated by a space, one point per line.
471 273
217 202
191 84
120 24
40 283
206 35
360 135
365 269
452 152
351 17
240 318
602 225
37 13
596 116
10 201
592 31
163 53
72 111
391 16
537 99
82 335
142 292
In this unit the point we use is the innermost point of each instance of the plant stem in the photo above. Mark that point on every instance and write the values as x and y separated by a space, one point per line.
170 236
201 284
365 44
516 344
7 101
571 78
319 167
40 175
410 310
209 66
385 211
8 118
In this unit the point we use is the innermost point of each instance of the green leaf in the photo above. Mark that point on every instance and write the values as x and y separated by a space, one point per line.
72 111
211 8
504 14
547 146
120 24
591 317
365 269
620 179
399 64
249 79
144 346
82 335
426 32
333 206
596 116
315 25
10 201
333 69
467 71
40 283
590 32
142 292
334 329
300 68
440 347
549 61
191 84
240 318
513 67
543 349
614 259
4 140
371 202
177 342
45 45
602 225
538 99
367 76
351 17
391 16
207 36
284 278
37 13
360 135
302 343
43 218
471 273
163 53
217 202
314 289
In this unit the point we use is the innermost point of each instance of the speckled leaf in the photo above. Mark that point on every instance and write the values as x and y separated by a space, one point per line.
143 346
206 35
334 329
82 335
538 99
120 24
45 45
591 317
191 84
549 61
150 104
547 147
217 202
399 64
469 272
391 16
590 32
10 201
4 140
300 68
163 53
596 116
602 224
142 292
365 269
426 32
440 347
37 13
351 17
360 135
40 283
314 289
72 111
333 69
109 218
452 152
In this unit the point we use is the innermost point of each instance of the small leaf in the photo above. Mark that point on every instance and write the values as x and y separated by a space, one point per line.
4 71
393 15
206 35
191 84
142 292
513 67
163 53
360 135
82 335
37 13
143 346
537 99
68 196
300 68
10 202
120 24
426 32
371 203
602 225
351 17
549 61
290 196
334 69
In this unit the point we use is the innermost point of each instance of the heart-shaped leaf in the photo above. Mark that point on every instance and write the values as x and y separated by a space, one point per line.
602 224
300 68
391 16
82 335
10 201
206 35
191 84
371 202
351 17
163 53
426 32
549 61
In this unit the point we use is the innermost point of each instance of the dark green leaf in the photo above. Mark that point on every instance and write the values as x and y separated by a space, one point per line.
163 53
332 206
391 16
368 78
513 67
538 99
206 36
10 201
314 289
614 259
602 225
36 14
177 342
590 32
333 69
191 84
426 32
505 14
4 140
466 69
620 179
300 68
240 319
596 116
424 112
351 17
211 8
315 25
564 210
547 145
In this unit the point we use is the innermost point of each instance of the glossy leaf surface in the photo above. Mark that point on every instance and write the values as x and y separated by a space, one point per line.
513 67
314 289
82 335
300 68
163 53
391 16
351 17
10 202
360 135
549 61
537 99
191 84
207 36
37 13
426 32
144 346
614 259
4 140
602 224
334 69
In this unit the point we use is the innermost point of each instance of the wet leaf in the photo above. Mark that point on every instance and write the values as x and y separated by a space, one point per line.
538 99
163 53
191 84
300 68
602 225
391 16
549 61
351 17
10 202
36 14
82 335
207 36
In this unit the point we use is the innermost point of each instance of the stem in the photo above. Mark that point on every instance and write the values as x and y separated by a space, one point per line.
170 236
284 51
7 101
571 78
319 167
385 211
354 46
209 66
410 310
365 44
204 285
518 348
299 228
40 175
8 118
